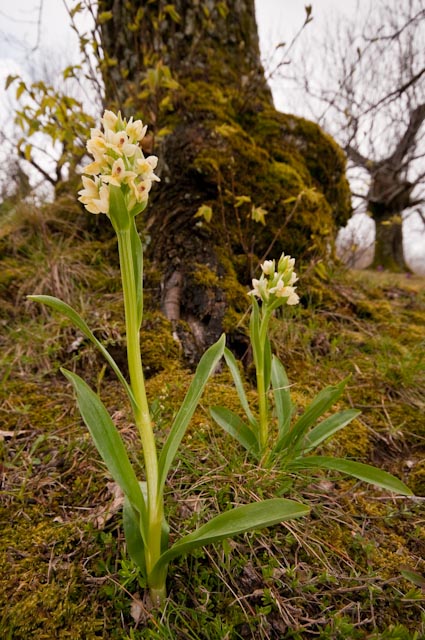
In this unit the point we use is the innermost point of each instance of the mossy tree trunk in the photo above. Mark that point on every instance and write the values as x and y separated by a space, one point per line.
389 252
192 72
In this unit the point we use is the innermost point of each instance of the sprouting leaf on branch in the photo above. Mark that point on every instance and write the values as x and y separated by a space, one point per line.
222 9
204 212
172 12
258 214
104 16
9 80
240 200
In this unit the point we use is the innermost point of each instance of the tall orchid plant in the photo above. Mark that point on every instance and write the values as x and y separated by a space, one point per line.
272 436
117 183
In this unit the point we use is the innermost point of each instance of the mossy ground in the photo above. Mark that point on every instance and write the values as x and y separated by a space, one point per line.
353 569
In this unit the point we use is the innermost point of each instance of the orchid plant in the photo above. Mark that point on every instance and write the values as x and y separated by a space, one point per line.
117 183
288 444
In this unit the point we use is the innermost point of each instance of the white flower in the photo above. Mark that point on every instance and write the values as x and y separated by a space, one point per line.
283 291
96 146
145 167
276 287
93 169
118 161
118 174
260 289
268 267
135 130
119 143
293 278
94 196
109 120
293 298
141 189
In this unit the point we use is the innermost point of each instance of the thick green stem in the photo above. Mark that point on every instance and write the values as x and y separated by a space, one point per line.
142 417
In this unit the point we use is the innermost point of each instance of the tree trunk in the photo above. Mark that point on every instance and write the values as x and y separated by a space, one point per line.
389 195
271 182
389 252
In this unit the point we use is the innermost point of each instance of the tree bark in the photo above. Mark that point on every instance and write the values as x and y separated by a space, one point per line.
390 194
192 71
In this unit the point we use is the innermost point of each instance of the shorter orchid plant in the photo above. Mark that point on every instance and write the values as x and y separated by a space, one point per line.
272 436
119 186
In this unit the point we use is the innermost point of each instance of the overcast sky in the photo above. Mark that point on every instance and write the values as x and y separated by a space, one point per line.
30 26
278 21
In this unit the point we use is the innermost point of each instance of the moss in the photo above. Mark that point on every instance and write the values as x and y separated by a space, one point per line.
158 346
417 479
352 442
276 161
204 276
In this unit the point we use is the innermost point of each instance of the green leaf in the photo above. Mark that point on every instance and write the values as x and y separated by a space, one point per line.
77 320
104 16
237 379
267 363
364 472
321 403
137 253
254 333
258 214
205 368
133 536
132 530
108 442
240 200
222 9
118 212
20 90
236 427
282 396
233 522
413 576
172 12
205 212
326 429
9 80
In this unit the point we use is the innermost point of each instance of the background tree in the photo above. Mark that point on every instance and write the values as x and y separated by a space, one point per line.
369 92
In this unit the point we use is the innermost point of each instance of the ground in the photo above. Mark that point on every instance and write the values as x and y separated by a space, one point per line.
353 569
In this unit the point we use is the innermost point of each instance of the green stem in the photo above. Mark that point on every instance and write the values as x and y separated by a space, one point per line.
261 387
142 417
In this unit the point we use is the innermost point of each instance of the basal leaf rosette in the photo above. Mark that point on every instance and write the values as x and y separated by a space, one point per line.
276 285
118 162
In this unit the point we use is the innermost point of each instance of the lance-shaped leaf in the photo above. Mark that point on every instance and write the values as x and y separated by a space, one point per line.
321 403
132 531
326 429
282 396
205 368
231 523
237 379
364 472
108 442
133 537
236 427
254 333
76 319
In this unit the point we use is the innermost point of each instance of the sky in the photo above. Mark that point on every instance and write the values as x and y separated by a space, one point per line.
25 30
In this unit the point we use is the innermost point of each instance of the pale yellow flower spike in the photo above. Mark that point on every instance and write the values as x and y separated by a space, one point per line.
118 162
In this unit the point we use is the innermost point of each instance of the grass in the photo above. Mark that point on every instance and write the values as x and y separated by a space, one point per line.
353 569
